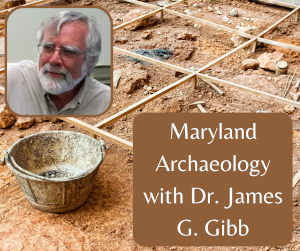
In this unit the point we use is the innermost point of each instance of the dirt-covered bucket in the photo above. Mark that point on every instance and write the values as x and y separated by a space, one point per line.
56 170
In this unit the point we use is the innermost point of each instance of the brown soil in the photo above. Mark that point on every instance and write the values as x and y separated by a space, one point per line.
104 222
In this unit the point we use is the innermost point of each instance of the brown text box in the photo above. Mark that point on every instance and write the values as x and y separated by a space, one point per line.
241 209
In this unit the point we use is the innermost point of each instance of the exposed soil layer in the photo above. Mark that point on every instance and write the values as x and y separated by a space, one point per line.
105 221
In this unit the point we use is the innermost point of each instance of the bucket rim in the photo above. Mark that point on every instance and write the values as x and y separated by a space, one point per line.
55 180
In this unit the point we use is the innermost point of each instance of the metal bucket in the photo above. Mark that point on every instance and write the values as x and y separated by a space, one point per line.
56 170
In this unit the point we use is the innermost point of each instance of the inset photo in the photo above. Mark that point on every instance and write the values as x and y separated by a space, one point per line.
58 61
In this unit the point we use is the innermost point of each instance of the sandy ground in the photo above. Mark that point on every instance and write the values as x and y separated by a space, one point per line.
104 222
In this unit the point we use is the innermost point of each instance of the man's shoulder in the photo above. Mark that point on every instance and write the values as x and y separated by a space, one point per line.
96 99
23 65
97 86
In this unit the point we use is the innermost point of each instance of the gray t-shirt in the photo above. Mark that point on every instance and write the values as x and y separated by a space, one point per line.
25 95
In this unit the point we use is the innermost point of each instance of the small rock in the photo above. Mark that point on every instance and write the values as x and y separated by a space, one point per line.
225 19
210 9
196 5
295 204
121 40
183 50
134 76
246 18
188 12
54 120
116 77
234 13
21 135
117 21
186 36
146 34
1 133
249 64
162 3
24 122
269 60
86 3
219 12
6 117
289 109
262 111
238 40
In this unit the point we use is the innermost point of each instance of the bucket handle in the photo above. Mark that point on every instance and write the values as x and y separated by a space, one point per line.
103 148
10 160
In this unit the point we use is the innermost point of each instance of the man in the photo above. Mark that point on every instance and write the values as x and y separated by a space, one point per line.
69 46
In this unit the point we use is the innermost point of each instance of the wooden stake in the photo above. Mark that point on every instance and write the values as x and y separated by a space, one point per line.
297 85
214 87
161 16
296 15
288 87
296 179
145 22
201 108
194 83
286 84
254 46
193 105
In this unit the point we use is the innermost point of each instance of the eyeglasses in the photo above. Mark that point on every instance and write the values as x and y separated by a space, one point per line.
65 53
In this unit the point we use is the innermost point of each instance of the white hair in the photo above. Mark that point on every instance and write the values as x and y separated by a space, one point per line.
93 39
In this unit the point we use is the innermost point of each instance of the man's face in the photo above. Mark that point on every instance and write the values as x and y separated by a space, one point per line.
58 75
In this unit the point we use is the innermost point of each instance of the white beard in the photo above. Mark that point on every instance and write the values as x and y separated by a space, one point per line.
56 86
